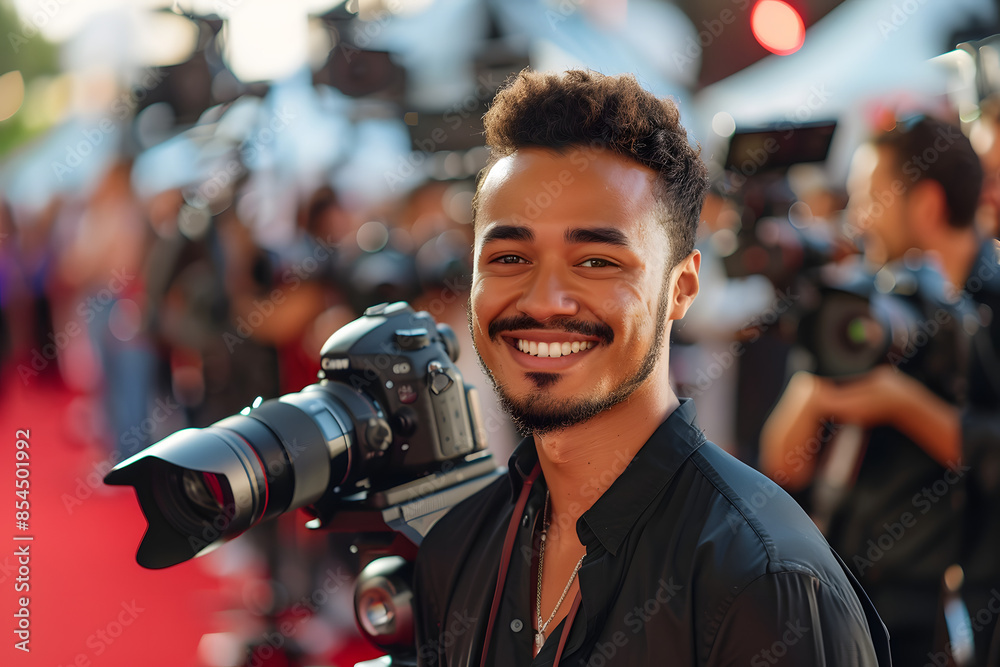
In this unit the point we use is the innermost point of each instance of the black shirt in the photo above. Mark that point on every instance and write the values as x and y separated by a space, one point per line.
693 558
981 451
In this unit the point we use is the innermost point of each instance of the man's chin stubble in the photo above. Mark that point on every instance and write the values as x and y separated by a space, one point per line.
539 415
543 380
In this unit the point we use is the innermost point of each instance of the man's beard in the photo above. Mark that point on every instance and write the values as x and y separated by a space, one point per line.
539 413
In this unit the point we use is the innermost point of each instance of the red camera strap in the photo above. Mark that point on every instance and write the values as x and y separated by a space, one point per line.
508 549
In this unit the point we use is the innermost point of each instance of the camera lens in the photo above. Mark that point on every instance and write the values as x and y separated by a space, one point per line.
202 486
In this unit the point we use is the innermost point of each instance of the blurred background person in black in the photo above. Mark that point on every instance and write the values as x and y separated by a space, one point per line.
915 189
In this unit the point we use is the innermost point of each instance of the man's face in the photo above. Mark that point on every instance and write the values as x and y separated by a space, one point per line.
569 297
878 200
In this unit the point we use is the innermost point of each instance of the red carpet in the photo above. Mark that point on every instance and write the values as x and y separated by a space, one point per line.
89 603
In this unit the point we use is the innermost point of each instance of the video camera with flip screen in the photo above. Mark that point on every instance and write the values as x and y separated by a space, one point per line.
846 319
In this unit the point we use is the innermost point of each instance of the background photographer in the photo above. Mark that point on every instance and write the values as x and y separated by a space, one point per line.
915 188
981 416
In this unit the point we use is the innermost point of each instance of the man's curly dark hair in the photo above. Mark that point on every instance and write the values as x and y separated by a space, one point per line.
587 109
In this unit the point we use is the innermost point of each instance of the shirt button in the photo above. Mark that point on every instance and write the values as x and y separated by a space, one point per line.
516 625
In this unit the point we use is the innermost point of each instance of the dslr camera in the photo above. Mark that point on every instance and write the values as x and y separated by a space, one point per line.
383 445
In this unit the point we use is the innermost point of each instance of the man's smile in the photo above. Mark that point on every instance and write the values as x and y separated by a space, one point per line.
553 350
548 349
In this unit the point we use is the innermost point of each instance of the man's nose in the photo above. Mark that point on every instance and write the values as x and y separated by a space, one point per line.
548 294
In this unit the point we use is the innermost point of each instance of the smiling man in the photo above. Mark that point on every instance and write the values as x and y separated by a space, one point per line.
620 536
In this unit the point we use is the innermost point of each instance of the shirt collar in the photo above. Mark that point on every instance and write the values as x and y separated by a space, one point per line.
521 463
653 466
985 265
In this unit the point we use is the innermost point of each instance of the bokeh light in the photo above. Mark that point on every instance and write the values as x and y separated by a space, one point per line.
778 27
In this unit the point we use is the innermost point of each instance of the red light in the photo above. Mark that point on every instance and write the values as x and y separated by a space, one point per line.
777 26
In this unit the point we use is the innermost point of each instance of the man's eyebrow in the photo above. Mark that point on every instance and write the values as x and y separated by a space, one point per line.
508 233
608 235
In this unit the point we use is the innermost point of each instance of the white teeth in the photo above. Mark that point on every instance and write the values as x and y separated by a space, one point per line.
552 350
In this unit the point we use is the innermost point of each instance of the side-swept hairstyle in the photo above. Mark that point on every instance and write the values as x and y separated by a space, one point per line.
928 149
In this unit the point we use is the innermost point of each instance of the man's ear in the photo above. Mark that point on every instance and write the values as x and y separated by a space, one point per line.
685 277
928 211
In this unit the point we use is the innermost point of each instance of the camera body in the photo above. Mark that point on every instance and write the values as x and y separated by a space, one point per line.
394 357
902 317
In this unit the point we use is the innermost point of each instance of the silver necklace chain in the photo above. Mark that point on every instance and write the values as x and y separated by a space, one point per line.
540 633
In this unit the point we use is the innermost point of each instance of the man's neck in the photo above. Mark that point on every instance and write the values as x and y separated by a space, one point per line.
957 253
581 462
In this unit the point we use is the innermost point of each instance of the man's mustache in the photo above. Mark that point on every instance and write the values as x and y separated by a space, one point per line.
514 323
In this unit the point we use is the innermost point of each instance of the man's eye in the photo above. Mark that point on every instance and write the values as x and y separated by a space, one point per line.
595 263
508 259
